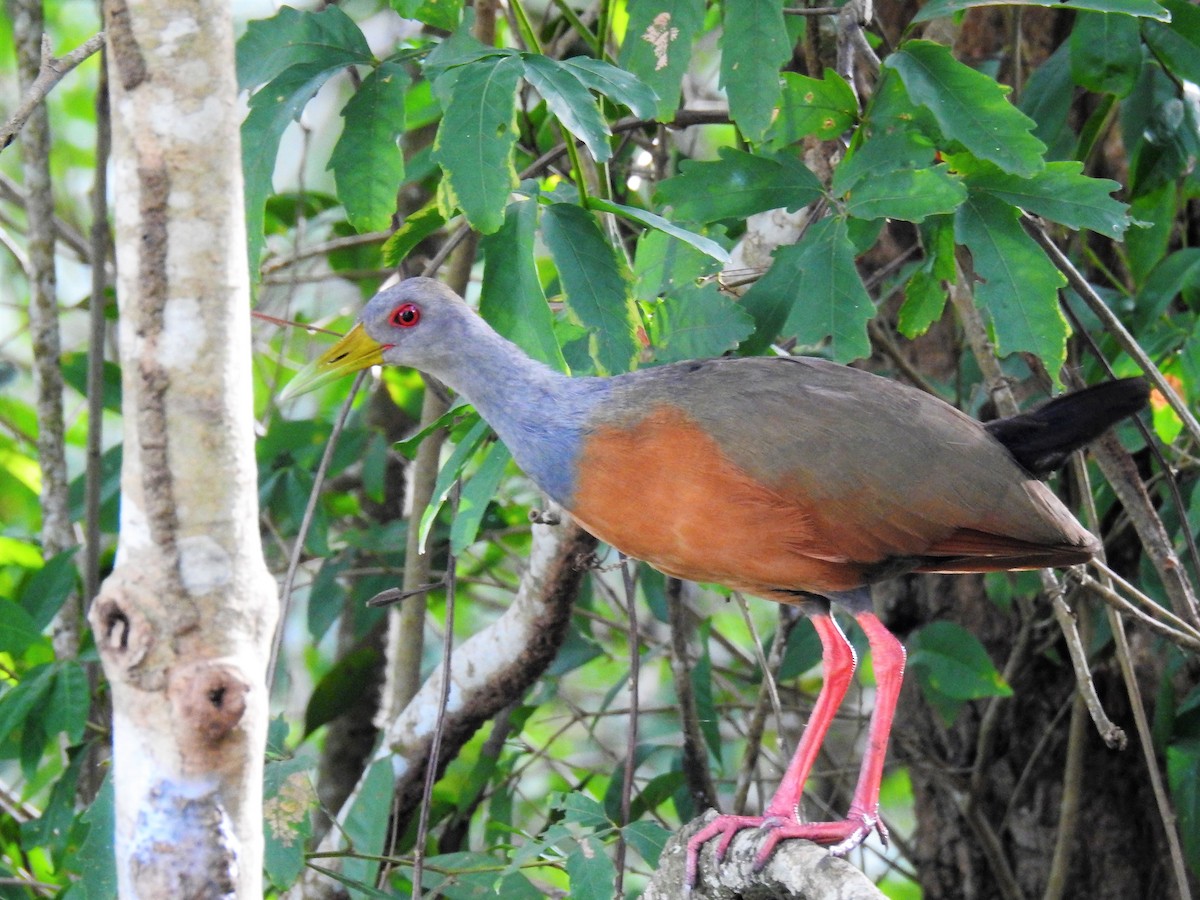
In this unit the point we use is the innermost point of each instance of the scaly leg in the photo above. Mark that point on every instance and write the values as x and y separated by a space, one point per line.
782 815
838 662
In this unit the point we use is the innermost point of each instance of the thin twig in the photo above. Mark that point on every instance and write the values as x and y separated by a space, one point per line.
635 668
435 747
51 72
285 598
695 751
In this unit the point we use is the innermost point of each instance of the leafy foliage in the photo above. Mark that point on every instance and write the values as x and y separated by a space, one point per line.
610 234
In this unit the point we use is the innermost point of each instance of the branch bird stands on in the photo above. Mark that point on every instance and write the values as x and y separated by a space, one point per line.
790 478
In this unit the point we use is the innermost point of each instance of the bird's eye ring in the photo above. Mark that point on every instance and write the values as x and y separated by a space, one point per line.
406 315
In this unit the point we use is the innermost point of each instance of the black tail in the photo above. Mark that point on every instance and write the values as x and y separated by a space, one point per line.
1043 438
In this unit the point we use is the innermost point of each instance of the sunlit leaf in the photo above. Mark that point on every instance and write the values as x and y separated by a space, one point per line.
658 47
824 107
570 101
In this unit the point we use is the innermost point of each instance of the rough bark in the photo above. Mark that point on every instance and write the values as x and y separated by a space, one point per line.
183 624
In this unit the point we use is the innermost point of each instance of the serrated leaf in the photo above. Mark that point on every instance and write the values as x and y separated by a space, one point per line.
1106 52
697 322
477 493
813 291
825 107
658 47
615 84
881 153
648 219
367 164
580 809
954 663
935 9
969 106
291 37
1061 193
595 288
67 708
1019 285
570 102
512 299
1178 43
908 194
736 186
751 79
475 140
591 872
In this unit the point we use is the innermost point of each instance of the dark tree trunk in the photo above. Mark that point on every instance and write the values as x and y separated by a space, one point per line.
1117 848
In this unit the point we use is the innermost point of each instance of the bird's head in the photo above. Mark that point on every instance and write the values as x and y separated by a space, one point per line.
417 323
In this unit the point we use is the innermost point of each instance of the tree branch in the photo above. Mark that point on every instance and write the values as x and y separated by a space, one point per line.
50 72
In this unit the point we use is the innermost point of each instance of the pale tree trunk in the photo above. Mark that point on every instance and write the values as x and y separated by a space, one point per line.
184 622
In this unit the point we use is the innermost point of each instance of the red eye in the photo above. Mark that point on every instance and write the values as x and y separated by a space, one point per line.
406 315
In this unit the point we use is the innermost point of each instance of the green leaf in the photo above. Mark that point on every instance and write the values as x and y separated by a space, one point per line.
74 370
801 652
1019 288
444 14
736 186
291 37
702 690
96 860
474 143
48 588
366 824
272 109
415 229
1106 52
1047 100
658 47
570 102
450 472
908 194
512 299
664 265
30 692
366 161
591 872
935 9
475 876
459 49
580 809
751 79
705 245
339 687
477 493
697 322
1183 775
1061 193
969 106
288 801
886 151
954 663
1178 43
595 288
70 700
1178 272
924 301
615 84
825 107
813 291
19 629
647 838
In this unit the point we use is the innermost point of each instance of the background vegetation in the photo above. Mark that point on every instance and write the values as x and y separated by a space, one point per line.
608 182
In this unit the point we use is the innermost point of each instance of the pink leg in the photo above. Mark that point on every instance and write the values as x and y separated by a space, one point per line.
782 814
838 662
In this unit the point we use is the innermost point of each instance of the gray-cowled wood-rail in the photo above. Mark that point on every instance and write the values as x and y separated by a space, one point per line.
790 478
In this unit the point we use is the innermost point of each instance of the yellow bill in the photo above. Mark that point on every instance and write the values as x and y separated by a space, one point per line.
357 350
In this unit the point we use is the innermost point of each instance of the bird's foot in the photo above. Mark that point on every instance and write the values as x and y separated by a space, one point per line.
840 836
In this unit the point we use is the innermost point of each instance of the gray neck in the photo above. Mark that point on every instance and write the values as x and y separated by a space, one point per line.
539 413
